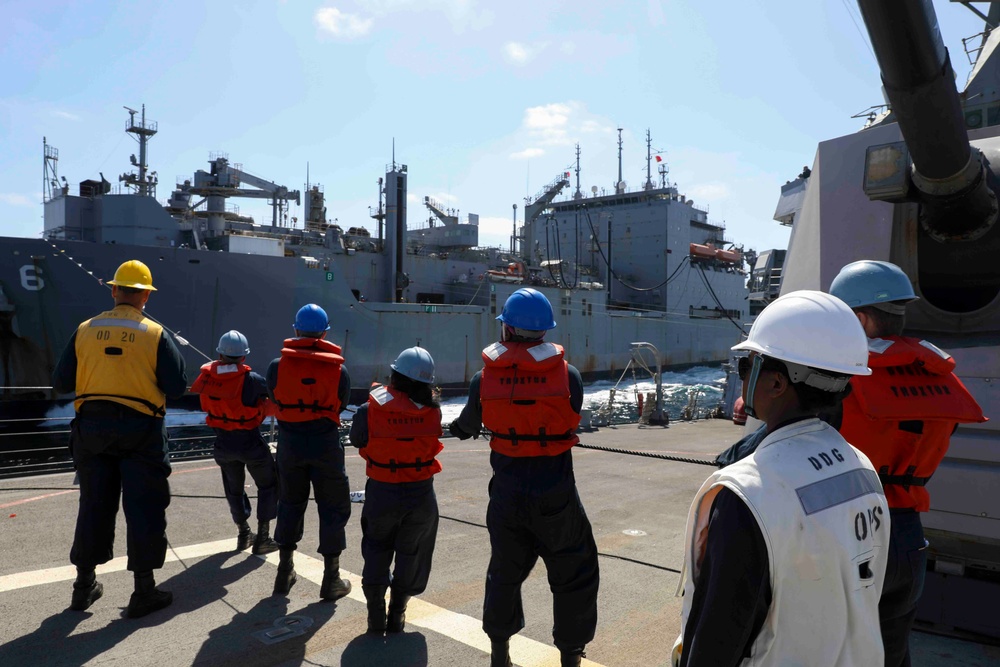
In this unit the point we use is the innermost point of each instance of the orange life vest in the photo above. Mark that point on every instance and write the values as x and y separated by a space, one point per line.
221 388
308 381
524 392
403 438
903 414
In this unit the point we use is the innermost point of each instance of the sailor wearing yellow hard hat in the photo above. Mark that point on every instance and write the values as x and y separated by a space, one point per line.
122 367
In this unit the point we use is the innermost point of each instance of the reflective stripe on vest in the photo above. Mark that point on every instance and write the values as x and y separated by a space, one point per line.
116 361
403 438
524 392
220 387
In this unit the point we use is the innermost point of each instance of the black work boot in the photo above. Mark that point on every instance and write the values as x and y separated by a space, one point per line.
263 544
245 537
500 653
571 658
285 577
397 611
333 587
147 598
375 596
86 589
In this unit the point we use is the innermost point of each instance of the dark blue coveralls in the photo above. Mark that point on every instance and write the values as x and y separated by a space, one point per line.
310 453
121 453
534 511
397 519
239 451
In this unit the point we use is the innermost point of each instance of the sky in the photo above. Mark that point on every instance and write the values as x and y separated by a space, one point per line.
485 100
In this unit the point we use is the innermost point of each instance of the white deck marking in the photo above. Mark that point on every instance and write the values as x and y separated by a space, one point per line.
524 652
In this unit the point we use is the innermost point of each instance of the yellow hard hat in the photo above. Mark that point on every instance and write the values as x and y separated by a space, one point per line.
134 274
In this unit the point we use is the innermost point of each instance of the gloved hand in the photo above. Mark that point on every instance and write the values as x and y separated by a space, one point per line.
456 431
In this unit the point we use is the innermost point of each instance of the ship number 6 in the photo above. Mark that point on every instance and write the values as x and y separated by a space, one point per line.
31 278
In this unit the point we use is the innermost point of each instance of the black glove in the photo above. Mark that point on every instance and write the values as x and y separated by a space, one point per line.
456 431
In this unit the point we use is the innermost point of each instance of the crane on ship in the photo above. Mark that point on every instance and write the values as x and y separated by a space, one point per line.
225 180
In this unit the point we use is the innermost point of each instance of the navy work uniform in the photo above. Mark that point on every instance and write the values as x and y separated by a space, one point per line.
534 507
235 399
123 367
399 440
310 386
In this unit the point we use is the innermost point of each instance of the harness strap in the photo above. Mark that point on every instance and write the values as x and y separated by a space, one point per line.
302 405
158 410
905 480
394 465
542 437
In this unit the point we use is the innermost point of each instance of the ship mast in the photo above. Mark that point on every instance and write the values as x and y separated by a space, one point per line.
649 160
577 194
143 131
620 185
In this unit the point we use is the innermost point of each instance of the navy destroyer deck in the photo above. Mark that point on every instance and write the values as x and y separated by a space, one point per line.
224 613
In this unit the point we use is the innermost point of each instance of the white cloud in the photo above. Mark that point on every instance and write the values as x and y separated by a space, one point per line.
517 53
67 115
342 25
495 231
461 14
527 154
567 47
14 199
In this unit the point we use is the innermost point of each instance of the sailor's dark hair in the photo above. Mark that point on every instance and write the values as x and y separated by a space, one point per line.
419 392
886 324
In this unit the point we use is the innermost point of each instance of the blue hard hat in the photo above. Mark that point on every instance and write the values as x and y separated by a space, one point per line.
311 318
529 309
233 344
415 363
871 283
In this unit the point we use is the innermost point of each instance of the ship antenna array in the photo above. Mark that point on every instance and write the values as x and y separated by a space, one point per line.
143 131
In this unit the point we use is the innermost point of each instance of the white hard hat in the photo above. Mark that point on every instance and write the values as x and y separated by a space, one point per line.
813 329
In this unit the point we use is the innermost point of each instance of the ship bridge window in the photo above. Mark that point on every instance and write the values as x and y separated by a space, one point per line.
429 297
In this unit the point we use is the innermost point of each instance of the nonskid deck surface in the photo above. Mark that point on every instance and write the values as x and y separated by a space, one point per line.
224 613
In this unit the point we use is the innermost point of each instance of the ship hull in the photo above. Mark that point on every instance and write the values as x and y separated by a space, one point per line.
52 286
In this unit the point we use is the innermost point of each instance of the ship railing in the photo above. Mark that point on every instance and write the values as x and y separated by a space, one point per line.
20 458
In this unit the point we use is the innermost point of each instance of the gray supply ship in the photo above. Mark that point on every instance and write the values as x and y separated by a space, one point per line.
618 266
911 188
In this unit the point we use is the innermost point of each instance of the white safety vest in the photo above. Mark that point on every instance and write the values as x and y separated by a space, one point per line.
824 518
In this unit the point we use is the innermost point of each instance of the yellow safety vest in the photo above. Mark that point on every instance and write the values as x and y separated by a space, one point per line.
116 361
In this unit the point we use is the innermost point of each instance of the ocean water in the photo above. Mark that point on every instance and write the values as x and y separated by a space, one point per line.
705 383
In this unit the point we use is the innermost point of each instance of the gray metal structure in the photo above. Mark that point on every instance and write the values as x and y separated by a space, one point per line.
431 286
917 187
